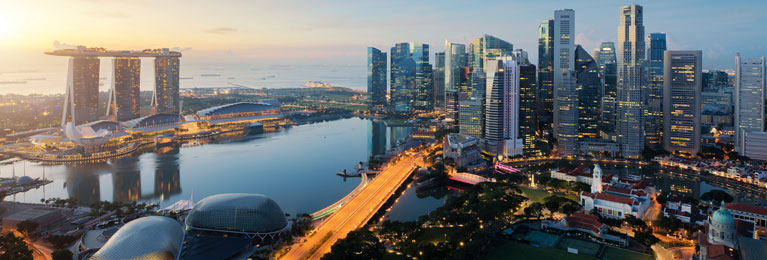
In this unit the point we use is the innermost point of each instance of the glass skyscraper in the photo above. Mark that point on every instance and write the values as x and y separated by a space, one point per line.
567 100
411 78
606 55
545 91
681 108
485 48
631 54
527 106
438 80
376 79
589 94
653 92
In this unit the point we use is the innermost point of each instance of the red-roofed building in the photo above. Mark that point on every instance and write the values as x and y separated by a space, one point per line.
753 214
616 199
589 224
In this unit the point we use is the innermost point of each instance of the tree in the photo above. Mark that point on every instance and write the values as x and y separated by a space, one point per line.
27 227
14 248
62 254
662 198
534 210
716 197
570 208
358 244
60 241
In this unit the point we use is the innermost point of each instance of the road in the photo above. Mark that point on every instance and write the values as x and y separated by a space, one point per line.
674 253
357 212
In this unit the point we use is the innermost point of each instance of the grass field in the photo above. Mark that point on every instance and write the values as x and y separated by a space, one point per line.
536 195
584 247
515 250
436 235
614 253
544 239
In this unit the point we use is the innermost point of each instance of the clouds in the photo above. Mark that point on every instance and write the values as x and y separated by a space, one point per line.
221 30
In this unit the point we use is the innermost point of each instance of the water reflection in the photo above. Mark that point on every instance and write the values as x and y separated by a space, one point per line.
126 179
166 174
83 184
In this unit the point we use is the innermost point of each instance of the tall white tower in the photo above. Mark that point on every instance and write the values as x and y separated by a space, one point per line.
596 182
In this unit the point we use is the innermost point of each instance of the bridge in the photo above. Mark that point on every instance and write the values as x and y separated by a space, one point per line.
469 178
358 210
327 211
502 168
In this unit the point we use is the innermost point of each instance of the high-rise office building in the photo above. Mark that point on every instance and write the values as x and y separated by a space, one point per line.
502 108
124 95
606 55
567 100
81 102
714 80
455 60
750 91
681 108
653 91
527 106
470 113
564 52
438 81
452 105
402 78
376 79
609 98
166 96
411 78
487 47
589 93
631 55
545 92
424 91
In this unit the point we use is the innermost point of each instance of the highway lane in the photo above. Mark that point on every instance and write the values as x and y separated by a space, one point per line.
356 212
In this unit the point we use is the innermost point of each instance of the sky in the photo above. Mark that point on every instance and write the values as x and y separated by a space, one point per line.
337 32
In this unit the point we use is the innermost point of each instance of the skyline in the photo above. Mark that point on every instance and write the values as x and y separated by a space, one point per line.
302 32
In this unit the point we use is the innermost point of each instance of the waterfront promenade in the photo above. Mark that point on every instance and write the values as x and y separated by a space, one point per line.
358 211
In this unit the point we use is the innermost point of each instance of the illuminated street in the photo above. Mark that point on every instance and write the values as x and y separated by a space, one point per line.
357 211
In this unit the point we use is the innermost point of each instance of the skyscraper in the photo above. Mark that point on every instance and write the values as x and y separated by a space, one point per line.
376 79
606 55
487 47
455 61
545 91
402 78
750 91
438 80
81 101
424 91
653 93
589 93
124 95
681 108
527 106
502 108
567 100
564 51
631 55
470 122
166 96
609 102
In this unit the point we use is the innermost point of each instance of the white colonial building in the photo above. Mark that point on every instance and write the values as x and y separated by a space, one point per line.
617 199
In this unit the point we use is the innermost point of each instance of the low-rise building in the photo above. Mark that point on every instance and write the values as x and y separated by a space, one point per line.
750 213
43 216
626 196
463 149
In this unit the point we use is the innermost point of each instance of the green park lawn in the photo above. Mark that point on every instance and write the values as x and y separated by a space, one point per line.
516 250
436 235
613 253
536 195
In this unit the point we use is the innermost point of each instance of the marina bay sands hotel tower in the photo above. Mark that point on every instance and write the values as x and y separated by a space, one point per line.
81 101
